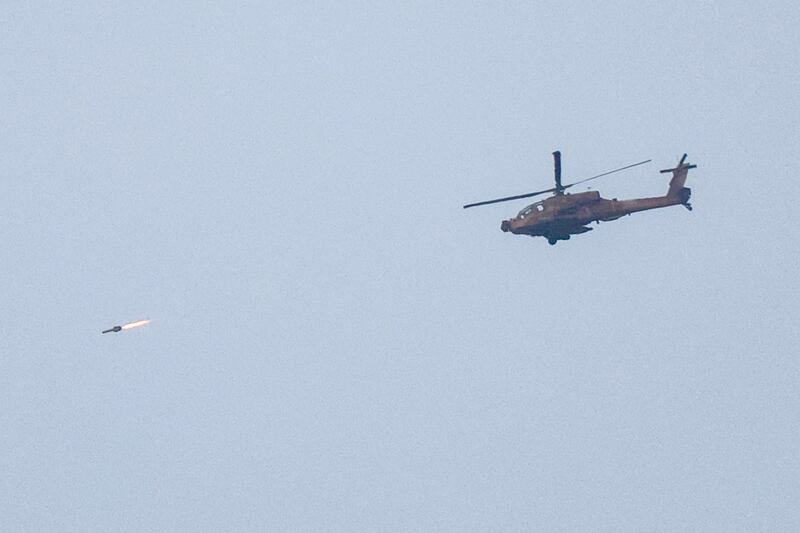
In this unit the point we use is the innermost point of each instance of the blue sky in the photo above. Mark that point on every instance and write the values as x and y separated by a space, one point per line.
335 344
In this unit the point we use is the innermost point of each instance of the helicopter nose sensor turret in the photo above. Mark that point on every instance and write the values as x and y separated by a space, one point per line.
505 225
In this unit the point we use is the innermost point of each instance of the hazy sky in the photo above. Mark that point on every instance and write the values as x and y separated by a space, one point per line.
336 345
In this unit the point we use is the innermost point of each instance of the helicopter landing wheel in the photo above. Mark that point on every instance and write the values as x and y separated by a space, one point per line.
552 241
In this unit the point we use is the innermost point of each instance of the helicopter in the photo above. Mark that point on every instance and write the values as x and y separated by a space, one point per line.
562 215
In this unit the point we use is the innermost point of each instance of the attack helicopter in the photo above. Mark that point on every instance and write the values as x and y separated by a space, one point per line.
562 215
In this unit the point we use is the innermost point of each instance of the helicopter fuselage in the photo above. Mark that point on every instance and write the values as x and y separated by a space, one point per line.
563 215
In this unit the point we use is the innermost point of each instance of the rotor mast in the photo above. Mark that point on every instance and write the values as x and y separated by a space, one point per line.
557 162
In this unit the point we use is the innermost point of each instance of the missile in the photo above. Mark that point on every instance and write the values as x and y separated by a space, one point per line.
129 325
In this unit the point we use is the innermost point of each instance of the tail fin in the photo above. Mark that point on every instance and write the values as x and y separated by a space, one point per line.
679 174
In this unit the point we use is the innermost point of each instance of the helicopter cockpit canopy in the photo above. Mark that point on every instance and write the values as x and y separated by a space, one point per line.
533 208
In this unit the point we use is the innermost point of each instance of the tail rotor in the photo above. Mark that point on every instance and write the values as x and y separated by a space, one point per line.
676 184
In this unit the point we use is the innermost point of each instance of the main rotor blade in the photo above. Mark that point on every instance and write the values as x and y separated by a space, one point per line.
554 189
506 199
607 173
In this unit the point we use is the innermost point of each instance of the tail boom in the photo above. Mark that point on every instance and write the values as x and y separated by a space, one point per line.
615 209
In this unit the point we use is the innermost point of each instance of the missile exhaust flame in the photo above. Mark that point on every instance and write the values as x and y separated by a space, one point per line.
138 323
